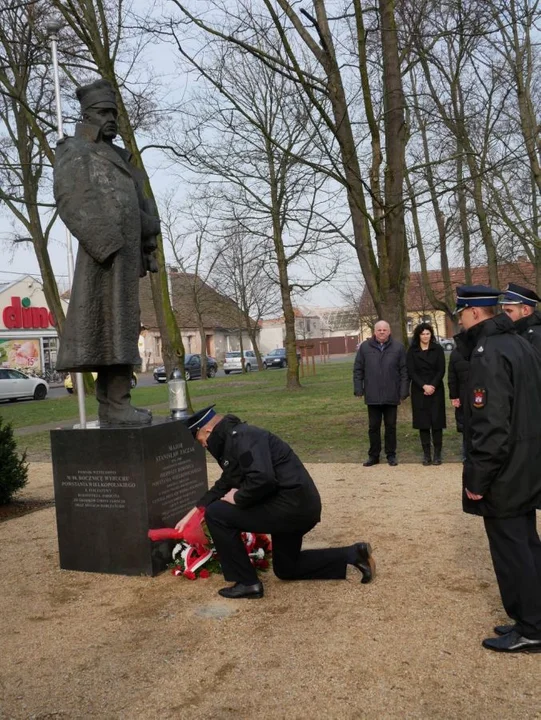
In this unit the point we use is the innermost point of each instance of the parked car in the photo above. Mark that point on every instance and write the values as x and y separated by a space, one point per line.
277 358
446 343
68 383
233 361
192 368
15 385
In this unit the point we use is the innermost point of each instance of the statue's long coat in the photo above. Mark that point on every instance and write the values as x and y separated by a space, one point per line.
97 198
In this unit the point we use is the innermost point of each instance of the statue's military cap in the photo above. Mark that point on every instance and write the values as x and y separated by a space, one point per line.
98 94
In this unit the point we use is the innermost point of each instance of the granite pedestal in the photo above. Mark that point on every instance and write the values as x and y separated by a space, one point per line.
114 484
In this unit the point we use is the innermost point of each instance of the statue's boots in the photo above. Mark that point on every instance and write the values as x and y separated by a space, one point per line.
101 397
120 411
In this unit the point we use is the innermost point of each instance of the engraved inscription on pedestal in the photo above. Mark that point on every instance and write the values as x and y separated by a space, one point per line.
113 485
169 498
104 489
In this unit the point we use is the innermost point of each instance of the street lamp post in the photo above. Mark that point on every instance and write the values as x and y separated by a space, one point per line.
53 28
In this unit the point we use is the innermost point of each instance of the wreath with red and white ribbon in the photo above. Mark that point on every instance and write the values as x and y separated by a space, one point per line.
195 555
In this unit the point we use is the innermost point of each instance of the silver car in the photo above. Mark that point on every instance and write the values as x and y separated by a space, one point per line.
233 361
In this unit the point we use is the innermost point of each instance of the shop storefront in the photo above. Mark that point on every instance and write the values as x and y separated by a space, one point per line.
28 338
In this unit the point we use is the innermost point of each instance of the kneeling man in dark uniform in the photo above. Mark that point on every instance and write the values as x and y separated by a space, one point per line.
265 488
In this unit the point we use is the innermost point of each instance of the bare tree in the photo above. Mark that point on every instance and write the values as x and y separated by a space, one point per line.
517 193
26 102
304 36
190 238
241 274
467 98
244 145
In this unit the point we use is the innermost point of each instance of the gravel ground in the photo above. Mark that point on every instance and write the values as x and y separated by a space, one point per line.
78 645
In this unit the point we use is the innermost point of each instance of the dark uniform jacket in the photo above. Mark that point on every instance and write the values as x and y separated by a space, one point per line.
265 469
530 329
457 381
427 367
99 197
380 374
502 421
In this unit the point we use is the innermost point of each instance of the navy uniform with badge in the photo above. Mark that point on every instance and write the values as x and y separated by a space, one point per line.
520 303
501 474
265 488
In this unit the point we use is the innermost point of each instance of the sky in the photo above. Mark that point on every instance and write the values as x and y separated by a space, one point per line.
19 259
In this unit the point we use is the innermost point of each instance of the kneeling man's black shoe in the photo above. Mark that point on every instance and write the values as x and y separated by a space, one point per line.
512 642
363 560
504 629
392 461
238 590
371 461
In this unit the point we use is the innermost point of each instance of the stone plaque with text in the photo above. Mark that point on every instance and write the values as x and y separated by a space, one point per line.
114 484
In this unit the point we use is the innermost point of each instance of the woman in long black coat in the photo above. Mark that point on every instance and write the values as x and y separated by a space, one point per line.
426 368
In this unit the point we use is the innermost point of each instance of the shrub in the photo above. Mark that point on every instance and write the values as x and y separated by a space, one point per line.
13 468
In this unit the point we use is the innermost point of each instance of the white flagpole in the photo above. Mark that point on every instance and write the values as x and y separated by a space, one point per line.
53 29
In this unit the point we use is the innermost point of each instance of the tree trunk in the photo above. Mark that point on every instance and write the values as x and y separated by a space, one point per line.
385 279
241 348
292 379
463 213
252 334
393 285
203 343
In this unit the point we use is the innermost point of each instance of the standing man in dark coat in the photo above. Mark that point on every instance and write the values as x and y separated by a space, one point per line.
381 376
519 303
100 199
426 367
264 488
501 475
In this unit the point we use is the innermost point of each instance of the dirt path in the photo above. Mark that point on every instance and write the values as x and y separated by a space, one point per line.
77 645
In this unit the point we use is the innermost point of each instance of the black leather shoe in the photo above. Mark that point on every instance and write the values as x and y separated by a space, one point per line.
392 461
504 629
238 590
364 561
512 642
427 460
437 459
371 461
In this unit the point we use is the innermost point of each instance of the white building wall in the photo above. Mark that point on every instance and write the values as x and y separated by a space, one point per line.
271 337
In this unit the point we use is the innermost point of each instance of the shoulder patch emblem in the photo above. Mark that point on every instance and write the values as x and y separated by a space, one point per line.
479 397
530 330
226 463
480 348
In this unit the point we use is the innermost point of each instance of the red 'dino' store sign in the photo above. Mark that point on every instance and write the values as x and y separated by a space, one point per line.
21 314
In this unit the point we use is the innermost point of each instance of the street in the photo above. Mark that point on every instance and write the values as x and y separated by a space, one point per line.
147 379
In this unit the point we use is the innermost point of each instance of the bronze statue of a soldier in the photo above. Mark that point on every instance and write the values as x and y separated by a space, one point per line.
99 194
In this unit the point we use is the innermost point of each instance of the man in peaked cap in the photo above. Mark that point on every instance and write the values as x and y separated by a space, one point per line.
520 303
99 194
501 478
264 488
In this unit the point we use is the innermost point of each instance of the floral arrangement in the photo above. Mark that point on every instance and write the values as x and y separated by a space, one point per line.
195 555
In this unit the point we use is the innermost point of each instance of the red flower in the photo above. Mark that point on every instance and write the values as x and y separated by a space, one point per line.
204 574
263 564
176 571
189 574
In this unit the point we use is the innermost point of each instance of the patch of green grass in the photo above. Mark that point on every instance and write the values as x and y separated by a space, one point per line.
322 421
